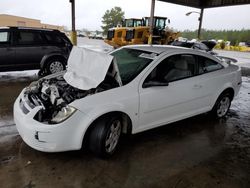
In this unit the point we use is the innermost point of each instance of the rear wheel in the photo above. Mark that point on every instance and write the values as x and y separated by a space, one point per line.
222 105
105 136
55 65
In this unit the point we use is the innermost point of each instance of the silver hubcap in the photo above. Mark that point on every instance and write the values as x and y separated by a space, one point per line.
113 136
55 66
223 106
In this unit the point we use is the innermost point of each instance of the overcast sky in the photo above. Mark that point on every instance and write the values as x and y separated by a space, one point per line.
89 13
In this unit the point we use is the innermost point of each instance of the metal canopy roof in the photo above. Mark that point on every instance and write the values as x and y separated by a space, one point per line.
208 3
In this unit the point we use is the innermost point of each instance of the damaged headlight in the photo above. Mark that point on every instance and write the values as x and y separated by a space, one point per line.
34 83
32 86
63 114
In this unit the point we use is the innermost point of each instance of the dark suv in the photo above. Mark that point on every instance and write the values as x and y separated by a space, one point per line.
32 48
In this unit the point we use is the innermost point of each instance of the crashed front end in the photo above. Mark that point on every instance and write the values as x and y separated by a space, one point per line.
43 110
43 135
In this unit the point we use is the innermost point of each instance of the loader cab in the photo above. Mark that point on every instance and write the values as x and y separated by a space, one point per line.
159 22
161 35
132 22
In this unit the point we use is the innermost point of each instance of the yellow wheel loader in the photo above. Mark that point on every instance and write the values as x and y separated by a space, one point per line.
161 33
136 31
116 36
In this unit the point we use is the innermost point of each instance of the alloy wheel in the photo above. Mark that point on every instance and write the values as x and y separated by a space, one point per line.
223 106
113 136
55 66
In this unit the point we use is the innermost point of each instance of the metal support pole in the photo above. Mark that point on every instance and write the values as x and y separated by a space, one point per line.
73 32
200 23
151 22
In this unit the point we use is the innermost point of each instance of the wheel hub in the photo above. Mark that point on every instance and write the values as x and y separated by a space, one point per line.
56 66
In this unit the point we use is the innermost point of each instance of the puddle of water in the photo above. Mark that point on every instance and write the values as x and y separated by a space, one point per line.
21 76
8 94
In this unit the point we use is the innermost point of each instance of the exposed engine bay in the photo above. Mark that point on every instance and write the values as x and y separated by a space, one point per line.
54 94
88 72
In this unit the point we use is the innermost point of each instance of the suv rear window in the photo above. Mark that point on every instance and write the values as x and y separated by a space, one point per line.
28 38
53 38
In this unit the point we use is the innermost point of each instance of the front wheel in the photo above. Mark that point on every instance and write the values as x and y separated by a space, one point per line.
222 105
55 65
105 136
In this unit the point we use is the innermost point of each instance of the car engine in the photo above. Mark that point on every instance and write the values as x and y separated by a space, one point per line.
55 93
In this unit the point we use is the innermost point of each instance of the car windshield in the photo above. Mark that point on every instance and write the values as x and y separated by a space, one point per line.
131 62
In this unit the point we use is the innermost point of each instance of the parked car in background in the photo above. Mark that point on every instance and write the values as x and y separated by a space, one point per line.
203 45
32 48
92 35
99 36
133 89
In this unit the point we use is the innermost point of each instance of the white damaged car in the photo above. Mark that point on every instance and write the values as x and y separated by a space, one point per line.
130 90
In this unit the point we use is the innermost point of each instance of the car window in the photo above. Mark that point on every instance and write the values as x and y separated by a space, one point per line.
173 68
53 38
4 37
28 38
131 62
208 65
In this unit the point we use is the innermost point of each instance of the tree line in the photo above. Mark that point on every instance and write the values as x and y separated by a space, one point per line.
235 36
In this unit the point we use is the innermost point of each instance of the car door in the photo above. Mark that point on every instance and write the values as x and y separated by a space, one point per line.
212 77
29 49
7 52
179 94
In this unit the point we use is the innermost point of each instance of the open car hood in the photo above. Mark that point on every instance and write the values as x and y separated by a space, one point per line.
88 68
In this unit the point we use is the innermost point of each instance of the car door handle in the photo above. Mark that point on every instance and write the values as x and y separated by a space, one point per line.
197 86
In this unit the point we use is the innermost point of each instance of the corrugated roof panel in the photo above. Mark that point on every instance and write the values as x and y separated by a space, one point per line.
208 3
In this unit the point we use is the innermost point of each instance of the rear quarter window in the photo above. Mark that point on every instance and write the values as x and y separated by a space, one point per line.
208 65
54 39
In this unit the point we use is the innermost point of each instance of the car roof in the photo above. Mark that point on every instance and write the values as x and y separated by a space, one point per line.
30 28
158 49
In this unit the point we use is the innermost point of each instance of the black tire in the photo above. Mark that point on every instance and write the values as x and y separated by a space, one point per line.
222 105
55 65
105 135
41 73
